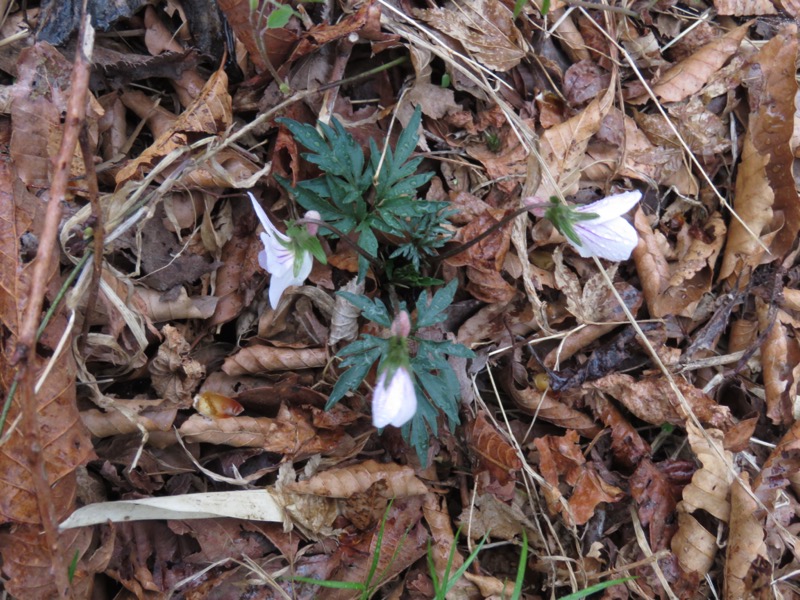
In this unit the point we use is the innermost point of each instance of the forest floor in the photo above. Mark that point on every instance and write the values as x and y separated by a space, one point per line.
456 379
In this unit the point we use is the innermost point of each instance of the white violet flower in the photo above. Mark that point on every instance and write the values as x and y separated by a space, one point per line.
287 258
394 402
596 229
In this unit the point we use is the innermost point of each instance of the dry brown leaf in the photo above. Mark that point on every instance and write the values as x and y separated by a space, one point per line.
745 8
711 484
652 400
485 28
563 146
256 359
691 74
495 454
357 478
781 468
561 462
694 546
753 203
780 365
174 373
772 91
656 498
210 113
136 415
183 307
344 320
745 541
677 288
626 443
546 407
39 99
621 148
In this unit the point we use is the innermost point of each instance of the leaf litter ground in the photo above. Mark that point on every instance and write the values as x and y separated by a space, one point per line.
633 419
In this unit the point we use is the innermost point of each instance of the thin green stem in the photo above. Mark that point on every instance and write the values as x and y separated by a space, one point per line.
343 236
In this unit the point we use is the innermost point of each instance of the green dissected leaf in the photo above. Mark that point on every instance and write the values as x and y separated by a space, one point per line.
445 347
350 380
408 138
438 392
416 430
307 135
365 343
434 313
368 242
279 17
374 310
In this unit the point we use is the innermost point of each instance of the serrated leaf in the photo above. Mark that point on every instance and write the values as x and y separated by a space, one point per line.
445 347
407 142
374 310
307 135
429 314
366 343
368 242
352 378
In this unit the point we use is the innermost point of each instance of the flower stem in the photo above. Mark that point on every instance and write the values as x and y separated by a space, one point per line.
502 222
376 264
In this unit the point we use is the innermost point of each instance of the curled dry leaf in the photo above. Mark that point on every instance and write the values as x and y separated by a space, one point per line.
677 288
766 198
652 400
563 146
256 359
780 365
346 481
710 484
344 319
545 406
694 546
561 462
781 469
494 452
129 416
745 540
159 310
745 8
691 74
175 374
485 28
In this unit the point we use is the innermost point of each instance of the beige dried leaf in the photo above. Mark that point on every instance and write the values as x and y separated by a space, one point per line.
652 400
563 146
485 28
745 540
693 545
132 416
344 319
691 74
183 307
547 408
753 203
745 8
676 288
772 92
780 357
627 152
175 374
255 359
711 484
274 435
346 481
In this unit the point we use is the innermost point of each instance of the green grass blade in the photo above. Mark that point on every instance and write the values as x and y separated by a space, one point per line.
523 563
339 585
599 587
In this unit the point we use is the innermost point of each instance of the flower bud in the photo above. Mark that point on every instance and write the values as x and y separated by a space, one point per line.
312 228
402 324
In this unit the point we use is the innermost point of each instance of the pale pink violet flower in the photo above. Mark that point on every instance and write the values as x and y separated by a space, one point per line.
608 235
394 402
282 258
